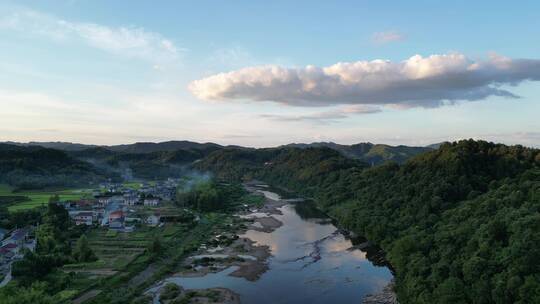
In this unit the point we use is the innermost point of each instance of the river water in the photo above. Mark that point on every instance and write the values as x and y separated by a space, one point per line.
311 262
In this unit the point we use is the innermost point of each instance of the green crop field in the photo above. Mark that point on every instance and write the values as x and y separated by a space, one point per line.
37 198
132 185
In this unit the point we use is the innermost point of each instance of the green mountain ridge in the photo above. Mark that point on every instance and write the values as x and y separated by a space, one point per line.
460 224
38 167
370 153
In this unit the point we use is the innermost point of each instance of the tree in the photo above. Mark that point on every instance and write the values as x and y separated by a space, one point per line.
35 294
35 267
82 252
155 246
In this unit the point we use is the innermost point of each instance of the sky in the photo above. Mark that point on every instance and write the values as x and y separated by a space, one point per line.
266 73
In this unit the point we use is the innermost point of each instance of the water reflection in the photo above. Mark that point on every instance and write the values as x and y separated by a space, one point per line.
308 212
312 262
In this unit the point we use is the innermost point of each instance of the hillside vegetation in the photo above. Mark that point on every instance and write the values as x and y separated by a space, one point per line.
460 224
37 167
150 165
370 153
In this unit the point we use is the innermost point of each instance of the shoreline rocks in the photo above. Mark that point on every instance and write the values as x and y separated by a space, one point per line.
386 296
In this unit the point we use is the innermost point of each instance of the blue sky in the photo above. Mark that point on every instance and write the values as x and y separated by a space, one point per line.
109 72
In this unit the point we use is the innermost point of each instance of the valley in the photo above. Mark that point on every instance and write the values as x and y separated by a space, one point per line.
239 223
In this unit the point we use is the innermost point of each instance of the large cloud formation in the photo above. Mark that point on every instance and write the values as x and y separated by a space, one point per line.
418 81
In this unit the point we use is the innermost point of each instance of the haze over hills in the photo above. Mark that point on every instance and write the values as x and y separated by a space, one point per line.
48 164
368 152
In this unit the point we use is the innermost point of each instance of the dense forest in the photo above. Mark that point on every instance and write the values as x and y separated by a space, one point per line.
210 196
460 224
37 167
368 152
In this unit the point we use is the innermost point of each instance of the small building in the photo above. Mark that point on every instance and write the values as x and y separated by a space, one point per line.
117 215
83 203
131 200
104 200
116 225
10 248
17 237
152 201
153 220
84 218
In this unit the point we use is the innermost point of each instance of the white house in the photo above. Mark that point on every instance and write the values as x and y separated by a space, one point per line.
131 200
84 218
104 200
153 220
152 201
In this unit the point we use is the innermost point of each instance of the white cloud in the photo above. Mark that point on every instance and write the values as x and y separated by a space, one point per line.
387 37
129 41
418 81
326 116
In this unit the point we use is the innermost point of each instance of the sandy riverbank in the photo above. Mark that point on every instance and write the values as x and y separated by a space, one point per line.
250 258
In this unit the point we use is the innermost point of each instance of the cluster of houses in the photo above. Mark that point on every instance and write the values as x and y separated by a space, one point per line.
113 204
165 190
12 246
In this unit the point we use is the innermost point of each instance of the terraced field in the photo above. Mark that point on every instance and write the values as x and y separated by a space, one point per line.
114 251
38 198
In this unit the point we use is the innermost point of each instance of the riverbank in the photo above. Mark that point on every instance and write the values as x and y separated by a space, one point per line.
295 246
386 296
249 258
233 251
171 293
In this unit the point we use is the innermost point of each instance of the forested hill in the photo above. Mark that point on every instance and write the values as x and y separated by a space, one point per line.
370 153
460 224
37 167
151 165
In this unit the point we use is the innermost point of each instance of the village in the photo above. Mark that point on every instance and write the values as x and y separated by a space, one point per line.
122 221
12 249
112 207
119 207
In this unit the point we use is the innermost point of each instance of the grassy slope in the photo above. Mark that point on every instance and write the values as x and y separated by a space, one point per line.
38 198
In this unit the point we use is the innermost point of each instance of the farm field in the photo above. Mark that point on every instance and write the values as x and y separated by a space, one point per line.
119 254
132 185
37 198
115 250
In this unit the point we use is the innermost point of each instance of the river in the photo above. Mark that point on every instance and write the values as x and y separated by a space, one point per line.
311 262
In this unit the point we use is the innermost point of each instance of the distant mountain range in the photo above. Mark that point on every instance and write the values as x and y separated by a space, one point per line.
139 147
368 152
146 160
